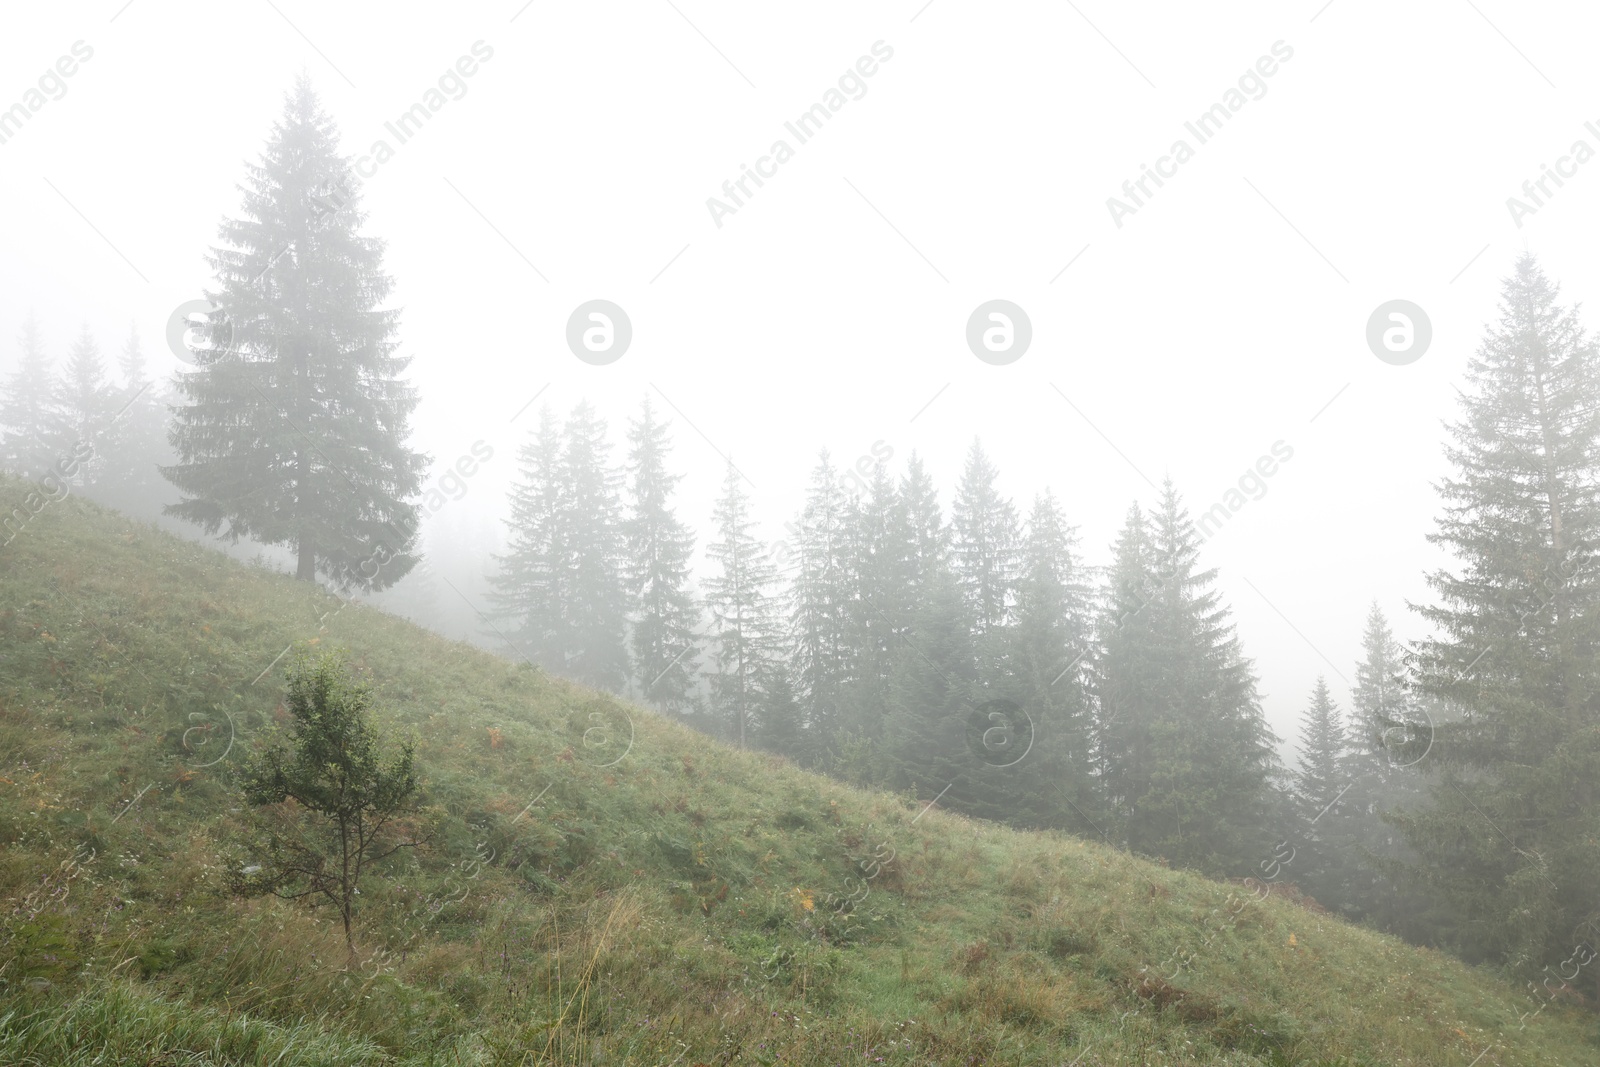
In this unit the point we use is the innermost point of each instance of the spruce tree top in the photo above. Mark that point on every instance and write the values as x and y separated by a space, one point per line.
1522 509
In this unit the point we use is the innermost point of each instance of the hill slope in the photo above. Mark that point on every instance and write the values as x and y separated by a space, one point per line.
608 887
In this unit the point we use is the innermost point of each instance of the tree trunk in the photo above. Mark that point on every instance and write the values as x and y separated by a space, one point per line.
306 570
346 888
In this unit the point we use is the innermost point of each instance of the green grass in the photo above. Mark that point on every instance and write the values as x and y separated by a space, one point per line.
669 909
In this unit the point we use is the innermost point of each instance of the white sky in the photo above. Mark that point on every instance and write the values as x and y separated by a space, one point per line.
1217 320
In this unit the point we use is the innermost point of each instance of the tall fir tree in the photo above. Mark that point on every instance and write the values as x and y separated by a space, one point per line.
746 616
132 364
532 586
596 650
87 410
1389 745
1322 774
1187 756
295 433
876 603
1324 796
1509 835
27 409
929 703
561 584
903 594
920 528
1046 663
131 478
1390 738
987 536
658 554
781 713
1123 672
1380 704
820 620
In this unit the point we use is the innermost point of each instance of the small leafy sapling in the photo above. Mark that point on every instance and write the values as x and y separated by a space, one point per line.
327 803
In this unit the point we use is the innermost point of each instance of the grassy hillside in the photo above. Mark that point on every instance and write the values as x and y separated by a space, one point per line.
672 907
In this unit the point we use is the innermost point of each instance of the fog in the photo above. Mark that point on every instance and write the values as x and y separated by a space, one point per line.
1185 333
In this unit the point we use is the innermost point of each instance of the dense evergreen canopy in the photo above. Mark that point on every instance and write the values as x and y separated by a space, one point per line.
293 429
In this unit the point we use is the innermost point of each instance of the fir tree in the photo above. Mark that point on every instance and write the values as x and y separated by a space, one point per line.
1386 763
1509 836
27 409
820 621
295 433
929 703
781 715
1048 646
86 409
561 583
920 528
746 615
1321 775
131 478
877 604
132 364
1323 788
595 650
1390 739
533 585
914 689
1127 711
986 544
1187 756
659 548
1379 700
